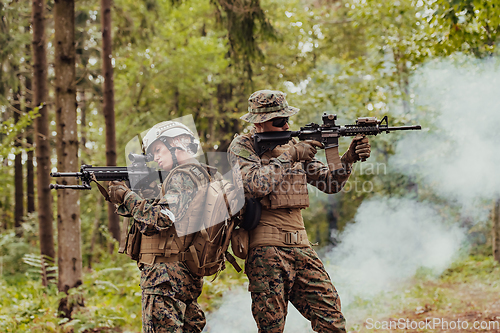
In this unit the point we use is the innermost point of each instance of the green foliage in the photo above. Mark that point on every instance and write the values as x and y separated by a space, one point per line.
27 306
171 72
43 266
11 253
112 297
111 293
469 25
473 267
9 131
15 16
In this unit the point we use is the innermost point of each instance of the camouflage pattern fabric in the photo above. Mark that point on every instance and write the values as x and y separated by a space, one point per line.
169 290
146 212
259 180
264 105
169 299
281 274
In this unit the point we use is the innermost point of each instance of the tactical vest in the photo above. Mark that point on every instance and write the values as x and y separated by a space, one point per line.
166 246
292 191
281 222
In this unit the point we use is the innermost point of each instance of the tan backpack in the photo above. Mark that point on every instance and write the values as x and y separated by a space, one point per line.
209 246
208 250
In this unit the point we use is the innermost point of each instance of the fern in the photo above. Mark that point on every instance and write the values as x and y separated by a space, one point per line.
43 265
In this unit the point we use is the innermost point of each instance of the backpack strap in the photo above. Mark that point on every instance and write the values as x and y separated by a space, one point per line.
233 262
124 228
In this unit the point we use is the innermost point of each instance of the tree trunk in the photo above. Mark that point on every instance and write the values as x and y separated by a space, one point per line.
68 207
30 179
18 166
109 107
496 230
30 176
83 123
224 97
42 135
6 208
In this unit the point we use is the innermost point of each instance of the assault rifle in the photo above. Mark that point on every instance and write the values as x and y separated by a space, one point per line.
328 134
138 175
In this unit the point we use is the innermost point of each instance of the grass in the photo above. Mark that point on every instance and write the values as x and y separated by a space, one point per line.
467 291
111 294
111 297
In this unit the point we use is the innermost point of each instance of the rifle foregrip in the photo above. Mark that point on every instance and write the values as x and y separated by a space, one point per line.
333 158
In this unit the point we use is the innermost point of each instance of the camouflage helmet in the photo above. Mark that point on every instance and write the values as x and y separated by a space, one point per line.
168 129
264 105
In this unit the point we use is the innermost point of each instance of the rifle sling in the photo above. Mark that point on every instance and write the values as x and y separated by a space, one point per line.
101 188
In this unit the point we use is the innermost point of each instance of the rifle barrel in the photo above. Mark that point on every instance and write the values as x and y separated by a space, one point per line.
401 128
65 174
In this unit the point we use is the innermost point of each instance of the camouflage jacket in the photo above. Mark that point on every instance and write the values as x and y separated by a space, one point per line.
259 179
152 215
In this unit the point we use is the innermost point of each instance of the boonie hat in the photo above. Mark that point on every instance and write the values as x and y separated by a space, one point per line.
264 105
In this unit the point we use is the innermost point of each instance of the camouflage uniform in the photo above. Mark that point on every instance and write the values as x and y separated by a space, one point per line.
169 290
279 274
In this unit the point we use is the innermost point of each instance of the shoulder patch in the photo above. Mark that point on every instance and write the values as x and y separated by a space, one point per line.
197 172
244 153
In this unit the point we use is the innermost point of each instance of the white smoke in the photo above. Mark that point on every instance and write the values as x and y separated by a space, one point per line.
390 240
459 155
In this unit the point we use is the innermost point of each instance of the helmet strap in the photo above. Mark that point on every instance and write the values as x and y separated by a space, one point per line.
171 149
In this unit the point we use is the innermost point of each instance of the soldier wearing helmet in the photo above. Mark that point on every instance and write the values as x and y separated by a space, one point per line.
169 290
281 265
171 143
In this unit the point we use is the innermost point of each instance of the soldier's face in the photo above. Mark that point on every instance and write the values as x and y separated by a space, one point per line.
162 155
268 126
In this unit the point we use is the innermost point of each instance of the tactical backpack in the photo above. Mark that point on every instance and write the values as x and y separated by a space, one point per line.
207 251
210 244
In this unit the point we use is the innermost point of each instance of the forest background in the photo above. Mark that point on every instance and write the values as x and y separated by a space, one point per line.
432 63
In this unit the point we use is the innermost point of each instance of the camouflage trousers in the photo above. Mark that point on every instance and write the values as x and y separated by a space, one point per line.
281 274
169 299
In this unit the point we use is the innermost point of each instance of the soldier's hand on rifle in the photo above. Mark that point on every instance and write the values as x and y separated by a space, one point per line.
358 150
304 150
117 191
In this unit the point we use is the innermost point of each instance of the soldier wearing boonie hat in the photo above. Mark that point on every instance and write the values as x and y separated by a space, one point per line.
281 265
264 105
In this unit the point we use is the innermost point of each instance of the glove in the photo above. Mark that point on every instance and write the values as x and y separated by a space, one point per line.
359 149
304 150
117 191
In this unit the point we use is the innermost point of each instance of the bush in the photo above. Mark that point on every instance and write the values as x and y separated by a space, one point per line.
12 251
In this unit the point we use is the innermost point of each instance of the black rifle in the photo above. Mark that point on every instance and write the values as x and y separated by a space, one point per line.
138 174
328 134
